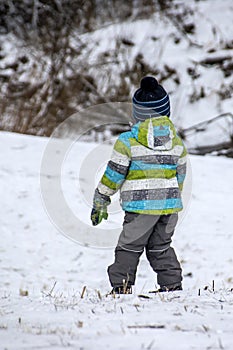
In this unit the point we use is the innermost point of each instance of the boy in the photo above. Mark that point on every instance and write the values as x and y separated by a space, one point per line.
148 165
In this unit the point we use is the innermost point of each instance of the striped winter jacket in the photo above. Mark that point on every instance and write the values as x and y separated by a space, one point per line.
148 165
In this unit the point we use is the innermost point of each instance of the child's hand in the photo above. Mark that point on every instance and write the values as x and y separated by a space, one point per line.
99 210
98 215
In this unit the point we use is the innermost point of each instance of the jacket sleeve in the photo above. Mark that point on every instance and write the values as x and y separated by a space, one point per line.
181 168
117 167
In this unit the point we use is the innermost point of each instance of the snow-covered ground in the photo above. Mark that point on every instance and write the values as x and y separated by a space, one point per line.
43 273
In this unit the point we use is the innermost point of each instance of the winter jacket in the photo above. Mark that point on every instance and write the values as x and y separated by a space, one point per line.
148 165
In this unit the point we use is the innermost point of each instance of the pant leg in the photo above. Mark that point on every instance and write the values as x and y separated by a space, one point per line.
161 256
137 229
124 267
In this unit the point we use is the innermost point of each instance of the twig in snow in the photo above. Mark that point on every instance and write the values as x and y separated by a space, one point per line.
153 326
99 295
144 296
83 292
49 294
206 329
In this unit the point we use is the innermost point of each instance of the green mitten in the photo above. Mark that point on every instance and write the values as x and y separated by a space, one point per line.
98 215
99 211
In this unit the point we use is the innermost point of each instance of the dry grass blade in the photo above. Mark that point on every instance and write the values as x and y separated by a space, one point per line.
83 292
99 295
49 294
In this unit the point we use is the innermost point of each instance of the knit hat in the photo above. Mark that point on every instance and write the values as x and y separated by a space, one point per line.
150 100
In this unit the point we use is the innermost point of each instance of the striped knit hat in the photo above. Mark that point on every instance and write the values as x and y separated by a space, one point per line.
150 100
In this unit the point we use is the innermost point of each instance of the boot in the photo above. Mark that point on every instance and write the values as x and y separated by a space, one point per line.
170 288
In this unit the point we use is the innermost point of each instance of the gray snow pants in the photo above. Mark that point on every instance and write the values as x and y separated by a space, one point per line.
152 232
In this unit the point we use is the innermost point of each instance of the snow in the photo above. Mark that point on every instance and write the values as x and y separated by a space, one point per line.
39 261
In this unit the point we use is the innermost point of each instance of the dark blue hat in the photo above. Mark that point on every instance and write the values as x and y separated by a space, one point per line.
150 100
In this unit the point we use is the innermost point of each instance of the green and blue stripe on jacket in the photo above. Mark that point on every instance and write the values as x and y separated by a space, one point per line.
148 166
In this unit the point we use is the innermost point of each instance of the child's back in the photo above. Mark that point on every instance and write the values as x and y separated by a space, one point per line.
148 165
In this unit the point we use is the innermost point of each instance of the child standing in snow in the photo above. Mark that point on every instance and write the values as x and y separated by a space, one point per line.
148 165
